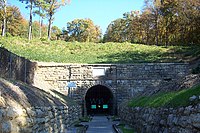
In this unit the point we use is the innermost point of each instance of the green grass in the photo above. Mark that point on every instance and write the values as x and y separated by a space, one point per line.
75 52
125 130
85 119
170 99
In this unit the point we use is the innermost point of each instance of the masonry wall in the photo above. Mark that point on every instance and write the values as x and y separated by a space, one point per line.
162 120
27 109
16 67
52 119
125 81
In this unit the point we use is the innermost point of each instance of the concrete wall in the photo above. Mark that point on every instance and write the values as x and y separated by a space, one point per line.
162 120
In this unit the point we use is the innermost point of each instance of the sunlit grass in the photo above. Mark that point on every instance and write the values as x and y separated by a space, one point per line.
170 99
75 52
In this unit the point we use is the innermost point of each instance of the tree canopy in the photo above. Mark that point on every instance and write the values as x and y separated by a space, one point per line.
83 30
162 22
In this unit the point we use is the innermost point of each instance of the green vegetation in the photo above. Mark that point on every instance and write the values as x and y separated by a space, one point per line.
114 118
85 119
170 99
75 52
124 129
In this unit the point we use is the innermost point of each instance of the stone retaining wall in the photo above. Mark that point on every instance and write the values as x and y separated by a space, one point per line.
53 119
162 120
15 67
124 80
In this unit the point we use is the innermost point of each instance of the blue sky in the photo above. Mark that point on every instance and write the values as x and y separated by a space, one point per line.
101 12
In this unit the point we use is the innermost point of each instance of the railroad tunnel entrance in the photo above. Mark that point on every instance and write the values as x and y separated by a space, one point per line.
99 100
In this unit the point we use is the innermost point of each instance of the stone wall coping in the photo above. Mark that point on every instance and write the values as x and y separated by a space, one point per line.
53 64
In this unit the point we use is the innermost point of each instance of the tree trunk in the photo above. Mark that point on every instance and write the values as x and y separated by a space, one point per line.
49 27
4 18
30 22
166 33
157 27
40 22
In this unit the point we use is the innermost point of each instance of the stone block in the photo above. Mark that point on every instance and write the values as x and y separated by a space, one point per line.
26 130
21 121
2 114
40 113
13 112
9 127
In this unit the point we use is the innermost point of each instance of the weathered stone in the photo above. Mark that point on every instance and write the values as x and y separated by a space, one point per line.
193 98
30 121
21 121
39 113
188 110
173 120
6 127
25 130
31 113
183 130
2 114
196 125
13 112
170 119
165 130
163 122
9 127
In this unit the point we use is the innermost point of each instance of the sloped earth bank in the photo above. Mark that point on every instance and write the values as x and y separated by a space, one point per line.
163 119
187 82
26 109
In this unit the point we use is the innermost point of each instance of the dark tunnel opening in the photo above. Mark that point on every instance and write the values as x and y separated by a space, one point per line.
99 100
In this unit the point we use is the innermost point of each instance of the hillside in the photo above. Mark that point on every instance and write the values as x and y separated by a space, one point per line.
75 52
168 99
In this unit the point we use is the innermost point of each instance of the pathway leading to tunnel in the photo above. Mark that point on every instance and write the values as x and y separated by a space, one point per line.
100 124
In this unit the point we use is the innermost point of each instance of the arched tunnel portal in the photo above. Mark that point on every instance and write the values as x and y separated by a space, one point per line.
99 100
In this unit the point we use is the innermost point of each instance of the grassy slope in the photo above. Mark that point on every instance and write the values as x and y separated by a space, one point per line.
74 52
169 99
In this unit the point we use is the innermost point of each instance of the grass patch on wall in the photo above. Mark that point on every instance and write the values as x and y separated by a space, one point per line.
75 52
124 129
170 99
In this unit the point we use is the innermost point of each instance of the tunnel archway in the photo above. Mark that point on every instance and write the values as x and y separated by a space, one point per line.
99 100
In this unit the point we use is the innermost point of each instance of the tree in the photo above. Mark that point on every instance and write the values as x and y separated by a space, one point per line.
55 33
13 20
126 29
23 28
30 4
83 30
3 5
116 31
51 7
41 13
